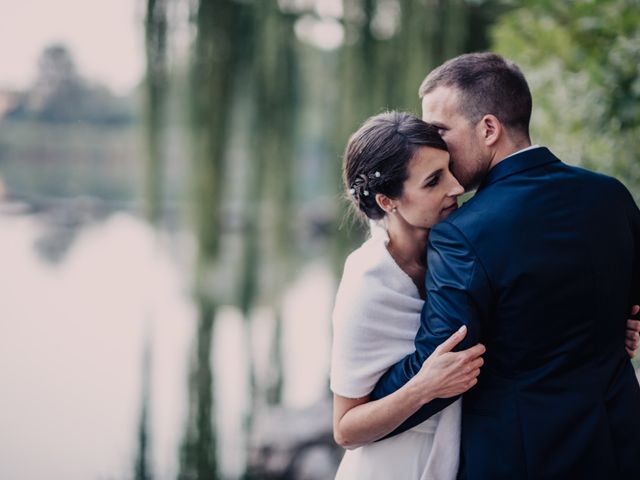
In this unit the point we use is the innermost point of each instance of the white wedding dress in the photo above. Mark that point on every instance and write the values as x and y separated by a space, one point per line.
375 320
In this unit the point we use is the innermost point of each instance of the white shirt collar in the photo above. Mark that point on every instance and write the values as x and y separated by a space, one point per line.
531 147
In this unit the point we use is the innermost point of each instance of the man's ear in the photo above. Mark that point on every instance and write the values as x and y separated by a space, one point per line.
384 202
490 129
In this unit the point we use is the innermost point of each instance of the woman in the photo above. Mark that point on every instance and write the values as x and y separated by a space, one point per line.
396 169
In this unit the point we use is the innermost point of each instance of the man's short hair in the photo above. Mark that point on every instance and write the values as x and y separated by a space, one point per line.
488 84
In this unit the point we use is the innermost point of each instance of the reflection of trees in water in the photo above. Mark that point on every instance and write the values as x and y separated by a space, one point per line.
143 465
62 220
198 450
268 116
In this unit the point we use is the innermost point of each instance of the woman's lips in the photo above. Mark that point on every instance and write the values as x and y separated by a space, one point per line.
450 208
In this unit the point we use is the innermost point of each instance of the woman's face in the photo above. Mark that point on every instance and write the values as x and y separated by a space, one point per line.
430 193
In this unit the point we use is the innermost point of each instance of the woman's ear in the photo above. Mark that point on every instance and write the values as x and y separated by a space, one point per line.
384 202
490 129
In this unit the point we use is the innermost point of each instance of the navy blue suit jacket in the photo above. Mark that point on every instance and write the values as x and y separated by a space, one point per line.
542 265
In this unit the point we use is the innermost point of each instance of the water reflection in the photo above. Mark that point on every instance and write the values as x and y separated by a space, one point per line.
73 341
70 352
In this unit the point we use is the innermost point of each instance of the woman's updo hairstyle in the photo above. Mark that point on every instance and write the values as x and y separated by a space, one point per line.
377 157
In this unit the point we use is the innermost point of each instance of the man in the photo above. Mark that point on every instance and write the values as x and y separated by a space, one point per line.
543 266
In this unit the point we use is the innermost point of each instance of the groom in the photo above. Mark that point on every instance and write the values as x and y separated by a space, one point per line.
542 265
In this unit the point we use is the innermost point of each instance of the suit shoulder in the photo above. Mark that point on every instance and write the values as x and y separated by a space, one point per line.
474 213
605 184
596 177
450 234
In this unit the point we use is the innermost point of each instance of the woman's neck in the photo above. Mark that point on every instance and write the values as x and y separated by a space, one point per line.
408 244
407 247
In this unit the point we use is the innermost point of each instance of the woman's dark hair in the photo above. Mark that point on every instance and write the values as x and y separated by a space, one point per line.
378 154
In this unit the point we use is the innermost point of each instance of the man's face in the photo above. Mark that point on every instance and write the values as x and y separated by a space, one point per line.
469 160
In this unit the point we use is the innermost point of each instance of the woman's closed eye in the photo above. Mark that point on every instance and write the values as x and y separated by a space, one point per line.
433 181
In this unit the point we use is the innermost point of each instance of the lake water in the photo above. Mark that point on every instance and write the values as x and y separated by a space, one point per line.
76 310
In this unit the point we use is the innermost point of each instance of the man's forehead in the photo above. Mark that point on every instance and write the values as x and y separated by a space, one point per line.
440 103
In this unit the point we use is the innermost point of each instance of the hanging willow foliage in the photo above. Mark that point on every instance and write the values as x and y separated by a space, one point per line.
155 104
211 91
269 237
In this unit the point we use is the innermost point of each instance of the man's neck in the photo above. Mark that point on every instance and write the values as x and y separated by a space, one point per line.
509 150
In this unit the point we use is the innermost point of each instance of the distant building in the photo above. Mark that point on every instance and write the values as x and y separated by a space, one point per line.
9 100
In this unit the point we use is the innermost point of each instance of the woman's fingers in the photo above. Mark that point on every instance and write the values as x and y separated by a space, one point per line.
633 325
471 374
476 363
474 352
466 357
454 372
450 343
632 340
460 387
466 361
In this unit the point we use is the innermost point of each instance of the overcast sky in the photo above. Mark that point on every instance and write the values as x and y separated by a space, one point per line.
104 36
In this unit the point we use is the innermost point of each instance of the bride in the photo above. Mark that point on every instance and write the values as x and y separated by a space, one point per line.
396 169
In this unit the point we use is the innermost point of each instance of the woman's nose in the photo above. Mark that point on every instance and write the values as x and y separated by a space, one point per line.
456 189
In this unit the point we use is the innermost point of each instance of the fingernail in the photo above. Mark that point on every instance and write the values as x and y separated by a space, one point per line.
462 328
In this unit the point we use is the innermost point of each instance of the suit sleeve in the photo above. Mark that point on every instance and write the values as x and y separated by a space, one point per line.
458 293
633 216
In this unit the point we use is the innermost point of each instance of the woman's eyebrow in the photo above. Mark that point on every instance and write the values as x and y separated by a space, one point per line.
432 174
